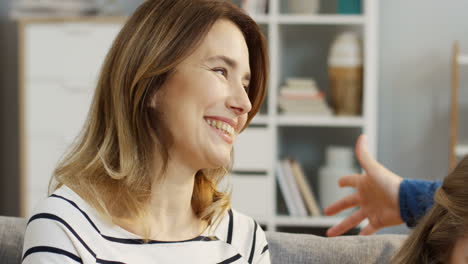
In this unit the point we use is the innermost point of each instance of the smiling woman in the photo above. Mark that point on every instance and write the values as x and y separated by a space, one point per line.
181 81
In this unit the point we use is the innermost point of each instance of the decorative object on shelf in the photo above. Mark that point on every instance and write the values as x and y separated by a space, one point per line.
301 96
254 7
339 162
34 8
297 192
303 6
349 7
346 74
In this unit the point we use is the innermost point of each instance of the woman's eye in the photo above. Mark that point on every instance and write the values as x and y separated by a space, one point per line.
221 70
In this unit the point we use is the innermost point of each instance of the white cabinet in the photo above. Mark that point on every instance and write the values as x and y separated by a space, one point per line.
61 60
68 51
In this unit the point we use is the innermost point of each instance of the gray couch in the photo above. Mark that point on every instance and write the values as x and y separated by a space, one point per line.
284 248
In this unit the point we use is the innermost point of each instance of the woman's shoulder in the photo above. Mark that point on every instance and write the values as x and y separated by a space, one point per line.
243 233
66 209
59 223
62 203
244 223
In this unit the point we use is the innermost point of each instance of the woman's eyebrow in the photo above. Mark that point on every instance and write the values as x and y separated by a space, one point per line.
230 62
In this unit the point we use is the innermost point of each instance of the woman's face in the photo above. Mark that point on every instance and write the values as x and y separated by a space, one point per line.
205 103
460 251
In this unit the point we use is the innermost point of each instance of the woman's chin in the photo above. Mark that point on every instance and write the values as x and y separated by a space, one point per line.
218 162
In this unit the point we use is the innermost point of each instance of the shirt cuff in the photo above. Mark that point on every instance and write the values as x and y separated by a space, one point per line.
416 197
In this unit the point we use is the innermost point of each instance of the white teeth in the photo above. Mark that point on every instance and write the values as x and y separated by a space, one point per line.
221 126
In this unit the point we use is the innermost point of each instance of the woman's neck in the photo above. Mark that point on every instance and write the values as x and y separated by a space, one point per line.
170 214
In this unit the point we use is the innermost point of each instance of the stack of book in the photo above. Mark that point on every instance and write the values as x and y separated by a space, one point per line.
297 192
301 96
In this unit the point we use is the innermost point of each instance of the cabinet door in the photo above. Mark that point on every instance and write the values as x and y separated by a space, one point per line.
62 63
54 115
43 153
252 150
67 51
58 108
249 194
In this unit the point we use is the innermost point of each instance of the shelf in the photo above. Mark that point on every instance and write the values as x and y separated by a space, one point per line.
322 19
318 221
463 59
461 150
261 19
260 120
307 121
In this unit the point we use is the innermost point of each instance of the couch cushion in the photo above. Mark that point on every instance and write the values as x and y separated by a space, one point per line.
299 248
11 239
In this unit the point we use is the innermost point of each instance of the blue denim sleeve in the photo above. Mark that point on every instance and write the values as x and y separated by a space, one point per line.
416 197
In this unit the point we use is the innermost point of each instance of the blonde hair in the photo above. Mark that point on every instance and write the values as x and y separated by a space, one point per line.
434 238
109 163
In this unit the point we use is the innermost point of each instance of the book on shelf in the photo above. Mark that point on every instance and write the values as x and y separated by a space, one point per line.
297 192
286 190
293 186
306 189
302 96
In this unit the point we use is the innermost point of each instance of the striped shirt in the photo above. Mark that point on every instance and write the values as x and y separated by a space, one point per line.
66 229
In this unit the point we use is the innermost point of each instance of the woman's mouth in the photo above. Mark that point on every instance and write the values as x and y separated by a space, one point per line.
224 130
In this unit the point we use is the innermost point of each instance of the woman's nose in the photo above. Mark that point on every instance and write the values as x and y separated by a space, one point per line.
239 101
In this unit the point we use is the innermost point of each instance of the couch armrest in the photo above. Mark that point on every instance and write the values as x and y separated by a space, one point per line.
11 239
300 248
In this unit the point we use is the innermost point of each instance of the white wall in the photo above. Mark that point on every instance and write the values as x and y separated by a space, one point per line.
416 40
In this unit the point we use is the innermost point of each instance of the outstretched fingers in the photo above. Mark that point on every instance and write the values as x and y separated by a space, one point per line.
349 222
349 180
342 204
368 230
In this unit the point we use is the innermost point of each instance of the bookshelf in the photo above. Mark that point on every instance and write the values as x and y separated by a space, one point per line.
295 41
298 46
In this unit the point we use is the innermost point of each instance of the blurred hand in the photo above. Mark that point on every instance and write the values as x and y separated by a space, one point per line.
376 196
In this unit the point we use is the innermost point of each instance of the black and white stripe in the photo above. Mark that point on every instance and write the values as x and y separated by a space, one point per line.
66 229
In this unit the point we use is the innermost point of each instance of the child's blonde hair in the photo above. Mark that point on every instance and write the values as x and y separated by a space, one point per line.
434 238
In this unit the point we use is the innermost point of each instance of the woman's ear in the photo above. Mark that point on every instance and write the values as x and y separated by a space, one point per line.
152 103
155 98
158 85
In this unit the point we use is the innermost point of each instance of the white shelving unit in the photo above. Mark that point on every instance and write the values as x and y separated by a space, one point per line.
294 41
300 136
